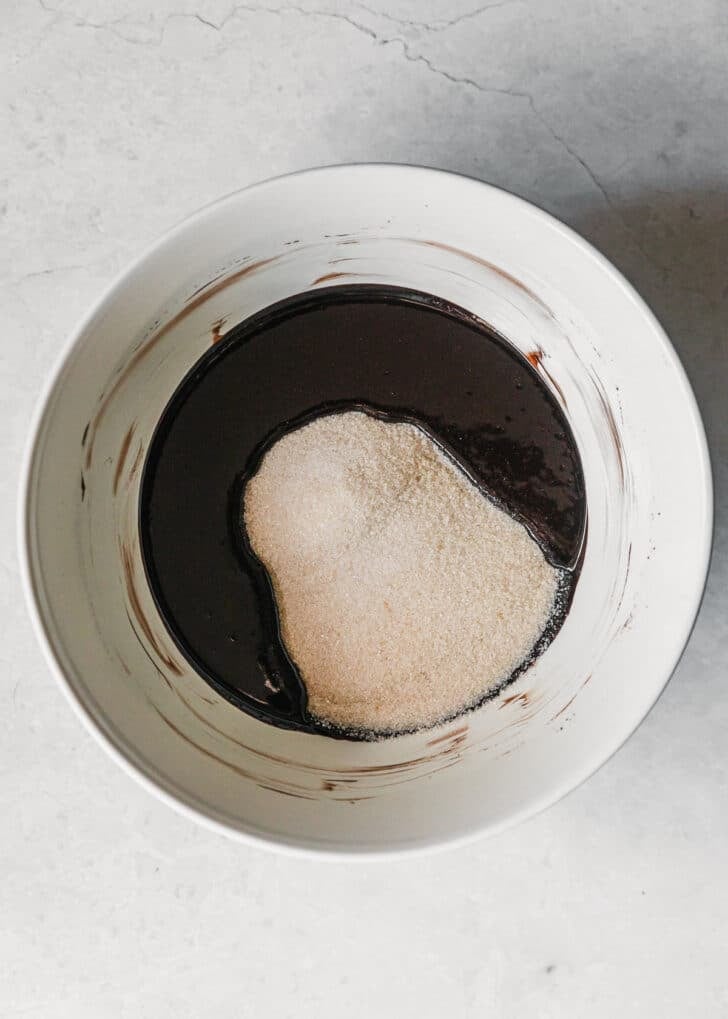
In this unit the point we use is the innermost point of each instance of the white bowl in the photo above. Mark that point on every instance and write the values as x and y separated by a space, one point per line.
648 487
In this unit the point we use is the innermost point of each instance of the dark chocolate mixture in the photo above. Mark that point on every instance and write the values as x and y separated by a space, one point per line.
403 354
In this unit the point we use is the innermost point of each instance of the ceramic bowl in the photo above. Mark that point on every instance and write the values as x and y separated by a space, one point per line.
598 348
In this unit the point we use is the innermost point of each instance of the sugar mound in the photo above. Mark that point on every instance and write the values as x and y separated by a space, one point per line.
404 594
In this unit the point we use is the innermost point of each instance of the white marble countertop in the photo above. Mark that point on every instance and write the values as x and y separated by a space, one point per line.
116 120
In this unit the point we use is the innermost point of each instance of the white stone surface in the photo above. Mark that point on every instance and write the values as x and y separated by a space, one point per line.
117 119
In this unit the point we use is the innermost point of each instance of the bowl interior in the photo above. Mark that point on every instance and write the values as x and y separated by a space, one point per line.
648 495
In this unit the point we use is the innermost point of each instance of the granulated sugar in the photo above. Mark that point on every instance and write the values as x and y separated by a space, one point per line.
404 594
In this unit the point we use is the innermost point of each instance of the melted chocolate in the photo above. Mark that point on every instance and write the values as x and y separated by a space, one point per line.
399 353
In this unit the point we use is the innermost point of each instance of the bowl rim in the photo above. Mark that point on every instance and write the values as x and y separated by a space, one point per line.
176 799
